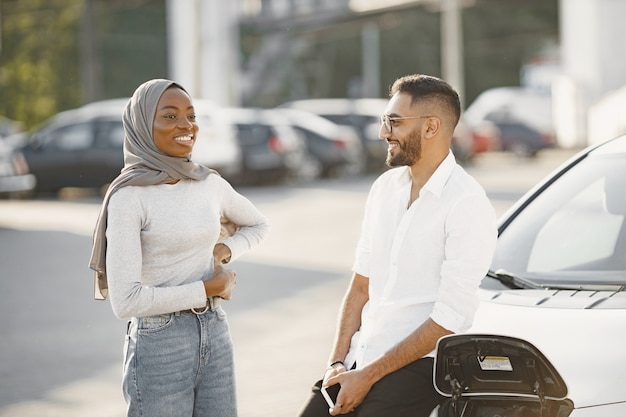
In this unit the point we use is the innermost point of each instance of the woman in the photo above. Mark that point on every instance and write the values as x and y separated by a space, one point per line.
156 254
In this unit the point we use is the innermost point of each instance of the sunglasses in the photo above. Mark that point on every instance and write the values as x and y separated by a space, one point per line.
386 120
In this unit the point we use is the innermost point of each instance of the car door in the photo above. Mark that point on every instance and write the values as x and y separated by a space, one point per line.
107 157
57 156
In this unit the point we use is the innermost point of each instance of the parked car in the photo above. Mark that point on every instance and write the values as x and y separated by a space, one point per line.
363 115
272 151
216 146
9 127
557 283
463 143
335 149
83 147
517 137
15 179
77 148
511 118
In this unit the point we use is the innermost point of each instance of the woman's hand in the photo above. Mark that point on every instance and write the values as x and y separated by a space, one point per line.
221 254
221 284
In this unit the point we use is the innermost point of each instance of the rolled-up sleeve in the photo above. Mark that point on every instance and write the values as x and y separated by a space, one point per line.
470 240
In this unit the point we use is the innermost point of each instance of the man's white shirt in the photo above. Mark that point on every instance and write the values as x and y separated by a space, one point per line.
423 260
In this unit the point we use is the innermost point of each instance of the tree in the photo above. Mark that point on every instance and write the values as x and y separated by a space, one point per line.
39 72
43 56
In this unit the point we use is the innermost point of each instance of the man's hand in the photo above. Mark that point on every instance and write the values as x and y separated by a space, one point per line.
355 385
332 371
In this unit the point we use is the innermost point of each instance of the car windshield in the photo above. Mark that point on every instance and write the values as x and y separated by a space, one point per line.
574 232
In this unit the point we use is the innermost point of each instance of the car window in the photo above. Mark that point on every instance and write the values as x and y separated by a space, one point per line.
116 134
594 239
574 230
71 138
253 134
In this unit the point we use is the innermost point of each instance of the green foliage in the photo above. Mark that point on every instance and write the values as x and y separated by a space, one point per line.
43 56
38 58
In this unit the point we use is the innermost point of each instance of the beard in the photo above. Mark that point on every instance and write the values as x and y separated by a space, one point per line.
407 153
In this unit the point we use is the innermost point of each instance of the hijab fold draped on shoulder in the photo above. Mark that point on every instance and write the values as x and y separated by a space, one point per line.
144 164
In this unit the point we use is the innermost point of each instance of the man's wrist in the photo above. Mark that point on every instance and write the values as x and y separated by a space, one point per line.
334 363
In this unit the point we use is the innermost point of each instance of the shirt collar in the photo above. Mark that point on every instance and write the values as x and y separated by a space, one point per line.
440 177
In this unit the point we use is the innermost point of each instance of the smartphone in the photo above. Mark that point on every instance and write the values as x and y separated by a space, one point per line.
330 394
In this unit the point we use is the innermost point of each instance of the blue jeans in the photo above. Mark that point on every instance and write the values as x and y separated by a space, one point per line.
179 364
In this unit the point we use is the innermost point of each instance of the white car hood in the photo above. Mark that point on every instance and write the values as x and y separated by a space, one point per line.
587 346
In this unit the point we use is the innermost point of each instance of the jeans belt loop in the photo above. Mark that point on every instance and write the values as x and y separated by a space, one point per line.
211 304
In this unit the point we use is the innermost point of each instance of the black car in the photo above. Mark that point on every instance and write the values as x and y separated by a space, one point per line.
77 148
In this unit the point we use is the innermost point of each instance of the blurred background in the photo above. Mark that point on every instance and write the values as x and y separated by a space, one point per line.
532 74
288 95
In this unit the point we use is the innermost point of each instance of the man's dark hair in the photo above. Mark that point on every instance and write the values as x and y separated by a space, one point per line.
425 87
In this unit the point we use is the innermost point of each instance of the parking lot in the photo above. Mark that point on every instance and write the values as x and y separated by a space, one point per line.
282 315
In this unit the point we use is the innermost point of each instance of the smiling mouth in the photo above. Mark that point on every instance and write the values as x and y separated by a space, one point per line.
184 139
392 144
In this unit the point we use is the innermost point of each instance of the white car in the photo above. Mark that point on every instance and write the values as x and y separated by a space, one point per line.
217 146
549 337
517 103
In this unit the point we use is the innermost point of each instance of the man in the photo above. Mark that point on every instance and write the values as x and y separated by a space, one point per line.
427 240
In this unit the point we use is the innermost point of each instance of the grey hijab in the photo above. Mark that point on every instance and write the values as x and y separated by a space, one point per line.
144 164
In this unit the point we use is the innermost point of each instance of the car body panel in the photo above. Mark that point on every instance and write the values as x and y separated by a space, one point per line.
605 410
518 119
334 147
77 148
216 145
556 332
515 103
14 175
